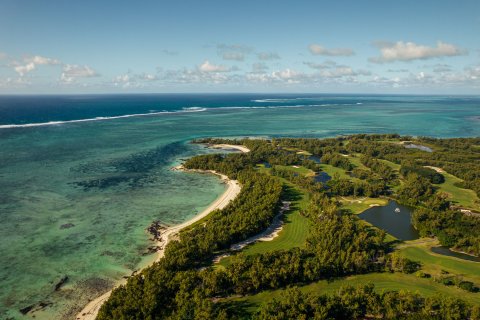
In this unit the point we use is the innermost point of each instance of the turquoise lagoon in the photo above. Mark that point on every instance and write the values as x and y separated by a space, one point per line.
77 196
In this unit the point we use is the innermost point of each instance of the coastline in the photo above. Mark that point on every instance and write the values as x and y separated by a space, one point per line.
90 311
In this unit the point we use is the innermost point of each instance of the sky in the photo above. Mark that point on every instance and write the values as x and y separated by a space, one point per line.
417 47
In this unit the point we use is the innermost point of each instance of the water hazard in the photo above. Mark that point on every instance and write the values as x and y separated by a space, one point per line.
393 218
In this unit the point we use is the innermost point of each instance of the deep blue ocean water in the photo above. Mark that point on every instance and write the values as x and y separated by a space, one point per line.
82 176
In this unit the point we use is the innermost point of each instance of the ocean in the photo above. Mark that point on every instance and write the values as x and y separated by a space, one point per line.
83 176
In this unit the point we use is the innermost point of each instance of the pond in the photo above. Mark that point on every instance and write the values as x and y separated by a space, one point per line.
322 177
314 159
447 252
393 218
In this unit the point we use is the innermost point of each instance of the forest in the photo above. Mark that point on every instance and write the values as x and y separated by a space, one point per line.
186 284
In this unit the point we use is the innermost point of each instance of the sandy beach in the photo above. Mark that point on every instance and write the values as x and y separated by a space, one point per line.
90 311
230 146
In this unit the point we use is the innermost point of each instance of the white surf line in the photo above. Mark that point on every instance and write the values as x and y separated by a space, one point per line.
50 123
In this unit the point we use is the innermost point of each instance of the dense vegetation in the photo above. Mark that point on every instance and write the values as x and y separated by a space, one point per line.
183 285
363 302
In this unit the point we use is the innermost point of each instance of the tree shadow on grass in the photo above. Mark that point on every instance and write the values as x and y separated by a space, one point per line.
238 309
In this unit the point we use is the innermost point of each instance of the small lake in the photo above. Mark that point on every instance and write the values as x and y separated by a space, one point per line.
314 159
447 252
398 224
322 177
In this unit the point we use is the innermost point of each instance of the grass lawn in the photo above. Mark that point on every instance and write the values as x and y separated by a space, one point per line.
295 228
392 165
300 170
464 197
359 204
294 232
382 282
433 263
356 162
331 170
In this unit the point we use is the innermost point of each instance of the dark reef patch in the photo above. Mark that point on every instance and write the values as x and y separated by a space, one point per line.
132 171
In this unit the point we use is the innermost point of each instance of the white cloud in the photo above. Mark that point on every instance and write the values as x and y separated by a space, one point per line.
222 47
238 56
259 67
148 77
286 76
71 72
325 65
473 73
39 60
268 56
442 68
30 63
408 51
3 55
24 69
330 69
133 80
319 50
209 67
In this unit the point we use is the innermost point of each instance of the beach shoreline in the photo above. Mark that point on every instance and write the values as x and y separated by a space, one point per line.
90 311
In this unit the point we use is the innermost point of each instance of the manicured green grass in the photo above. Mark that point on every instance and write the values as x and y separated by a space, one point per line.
392 165
295 228
433 263
463 197
382 282
359 204
293 234
356 162
300 170
331 170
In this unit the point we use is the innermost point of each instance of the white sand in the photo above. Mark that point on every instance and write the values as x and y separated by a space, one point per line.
230 146
91 309
439 170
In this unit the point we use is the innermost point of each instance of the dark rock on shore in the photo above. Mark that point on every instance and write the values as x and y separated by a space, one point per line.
61 283
156 229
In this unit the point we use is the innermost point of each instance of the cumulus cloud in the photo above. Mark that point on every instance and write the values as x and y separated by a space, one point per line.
330 69
408 51
398 70
71 72
134 80
268 56
319 50
473 73
325 65
30 63
238 56
442 68
259 67
206 66
236 52
222 47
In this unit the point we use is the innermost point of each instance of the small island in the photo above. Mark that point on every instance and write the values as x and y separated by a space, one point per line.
294 241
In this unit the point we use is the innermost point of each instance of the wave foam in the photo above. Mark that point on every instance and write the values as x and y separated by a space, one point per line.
50 123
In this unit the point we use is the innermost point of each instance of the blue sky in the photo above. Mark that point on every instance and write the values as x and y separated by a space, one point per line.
240 46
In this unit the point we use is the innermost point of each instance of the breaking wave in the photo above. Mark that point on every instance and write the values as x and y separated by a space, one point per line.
50 123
